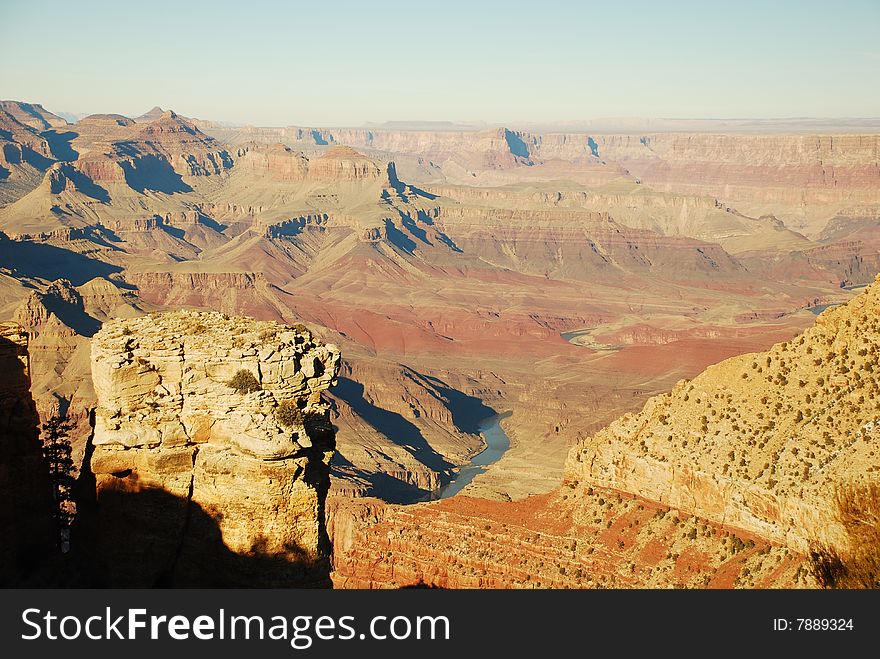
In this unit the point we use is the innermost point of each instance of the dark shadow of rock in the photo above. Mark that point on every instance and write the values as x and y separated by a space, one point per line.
142 536
35 159
468 412
86 185
398 238
391 424
414 229
446 240
59 143
516 145
71 314
36 259
393 490
28 537
151 538
153 173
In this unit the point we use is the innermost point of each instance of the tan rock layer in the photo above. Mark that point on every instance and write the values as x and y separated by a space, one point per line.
189 467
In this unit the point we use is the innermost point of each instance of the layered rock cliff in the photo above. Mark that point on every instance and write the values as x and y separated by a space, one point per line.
570 538
760 441
211 451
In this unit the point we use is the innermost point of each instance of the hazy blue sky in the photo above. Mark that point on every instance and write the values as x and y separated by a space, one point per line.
344 63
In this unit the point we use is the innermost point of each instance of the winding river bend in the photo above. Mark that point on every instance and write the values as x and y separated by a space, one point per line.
497 443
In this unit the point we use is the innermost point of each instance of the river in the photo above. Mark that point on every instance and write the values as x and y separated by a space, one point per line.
496 444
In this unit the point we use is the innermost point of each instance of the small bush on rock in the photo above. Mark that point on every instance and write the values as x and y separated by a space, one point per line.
288 414
244 382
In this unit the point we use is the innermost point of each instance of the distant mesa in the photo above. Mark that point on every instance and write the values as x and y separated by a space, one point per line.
427 125
106 120
170 122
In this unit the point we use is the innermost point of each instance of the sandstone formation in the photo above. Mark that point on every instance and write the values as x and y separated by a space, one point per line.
760 441
343 164
150 115
199 483
274 161
809 168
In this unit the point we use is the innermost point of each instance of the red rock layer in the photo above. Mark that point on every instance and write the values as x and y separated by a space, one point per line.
570 538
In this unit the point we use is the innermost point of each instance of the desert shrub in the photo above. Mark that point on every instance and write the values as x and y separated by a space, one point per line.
288 414
857 566
244 382
126 331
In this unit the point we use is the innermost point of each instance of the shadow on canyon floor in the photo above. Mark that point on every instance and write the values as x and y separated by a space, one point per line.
467 414
60 144
32 259
391 424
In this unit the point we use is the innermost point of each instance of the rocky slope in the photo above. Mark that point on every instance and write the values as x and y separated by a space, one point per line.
200 483
570 538
33 115
759 441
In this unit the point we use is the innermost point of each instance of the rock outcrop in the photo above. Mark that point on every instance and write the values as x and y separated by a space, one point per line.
760 441
174 139
274 161
202 483
342 163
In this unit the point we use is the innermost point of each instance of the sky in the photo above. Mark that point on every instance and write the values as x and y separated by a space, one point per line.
329 63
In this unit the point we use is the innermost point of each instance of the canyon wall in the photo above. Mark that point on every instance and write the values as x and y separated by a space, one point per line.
759 441
790 168
803 179
202 479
